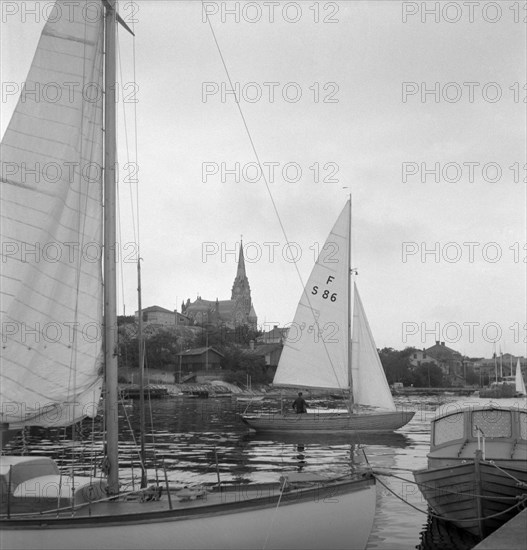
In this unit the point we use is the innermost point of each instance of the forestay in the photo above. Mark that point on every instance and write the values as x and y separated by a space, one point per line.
51 225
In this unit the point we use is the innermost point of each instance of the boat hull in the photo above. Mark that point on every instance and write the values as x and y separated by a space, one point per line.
337 515
452 492
328 422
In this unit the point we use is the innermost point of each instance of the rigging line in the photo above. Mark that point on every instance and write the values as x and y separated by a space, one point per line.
120 237
126 137
152 433
275 208
135 101
127 418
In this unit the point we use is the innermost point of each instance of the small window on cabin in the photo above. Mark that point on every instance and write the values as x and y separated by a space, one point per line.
523 425
448 428
492 422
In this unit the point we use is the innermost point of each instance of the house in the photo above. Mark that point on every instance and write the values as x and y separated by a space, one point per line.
199 359
449 360
275 336
420 357
270 353
156 315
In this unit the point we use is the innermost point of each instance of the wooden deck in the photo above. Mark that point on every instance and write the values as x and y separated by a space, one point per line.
511 536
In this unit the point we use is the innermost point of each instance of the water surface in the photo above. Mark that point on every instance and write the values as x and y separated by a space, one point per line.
202 440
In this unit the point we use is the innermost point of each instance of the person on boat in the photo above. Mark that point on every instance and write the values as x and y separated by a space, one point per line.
299 404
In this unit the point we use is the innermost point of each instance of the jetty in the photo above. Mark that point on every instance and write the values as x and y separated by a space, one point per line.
156 391
510 536
457 390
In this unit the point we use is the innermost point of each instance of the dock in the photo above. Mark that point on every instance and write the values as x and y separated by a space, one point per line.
456 390
133 391
510 536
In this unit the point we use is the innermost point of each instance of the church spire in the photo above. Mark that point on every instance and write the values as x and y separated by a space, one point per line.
241 262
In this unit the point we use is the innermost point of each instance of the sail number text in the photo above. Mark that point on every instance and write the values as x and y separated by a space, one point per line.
326 294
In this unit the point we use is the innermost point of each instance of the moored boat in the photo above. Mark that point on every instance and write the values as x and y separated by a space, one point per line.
477 466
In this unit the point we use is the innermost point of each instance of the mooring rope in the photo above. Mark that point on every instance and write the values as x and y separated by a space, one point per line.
274 514
518 481
446 518
443 490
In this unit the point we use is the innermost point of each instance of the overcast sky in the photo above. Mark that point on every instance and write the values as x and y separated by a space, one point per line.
379 97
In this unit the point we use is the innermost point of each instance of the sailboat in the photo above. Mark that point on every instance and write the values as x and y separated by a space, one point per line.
330 347
477 464
56 359
518 380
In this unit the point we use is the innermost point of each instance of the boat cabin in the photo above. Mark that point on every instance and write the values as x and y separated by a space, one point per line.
28 483
500 432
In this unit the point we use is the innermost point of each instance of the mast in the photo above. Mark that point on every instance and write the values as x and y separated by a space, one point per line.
110 286
348 272
141 377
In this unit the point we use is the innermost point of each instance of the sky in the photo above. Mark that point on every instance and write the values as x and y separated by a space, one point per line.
418 109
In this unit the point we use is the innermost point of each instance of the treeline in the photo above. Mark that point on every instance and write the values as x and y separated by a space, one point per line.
398 368
163 345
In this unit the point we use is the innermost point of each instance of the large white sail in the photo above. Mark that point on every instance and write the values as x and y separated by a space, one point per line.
316 350
370 386
520 384
51 227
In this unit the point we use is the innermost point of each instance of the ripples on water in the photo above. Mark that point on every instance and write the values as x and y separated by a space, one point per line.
199 439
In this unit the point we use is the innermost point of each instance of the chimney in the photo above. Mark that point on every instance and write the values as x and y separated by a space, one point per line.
437 342
442 343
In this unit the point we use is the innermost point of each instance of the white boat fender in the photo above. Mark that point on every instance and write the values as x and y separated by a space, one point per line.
381 472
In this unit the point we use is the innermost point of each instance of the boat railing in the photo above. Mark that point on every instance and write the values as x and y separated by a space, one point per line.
465 443
481 440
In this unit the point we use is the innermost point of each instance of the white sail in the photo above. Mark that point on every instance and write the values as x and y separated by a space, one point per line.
316 350
370 386
51 227
520 384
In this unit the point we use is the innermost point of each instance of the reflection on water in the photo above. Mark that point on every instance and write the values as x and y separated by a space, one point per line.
198 440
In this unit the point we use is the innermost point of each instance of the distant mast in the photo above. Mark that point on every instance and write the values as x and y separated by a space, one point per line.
349 333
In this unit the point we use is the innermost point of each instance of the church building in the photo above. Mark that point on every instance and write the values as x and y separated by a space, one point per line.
231 313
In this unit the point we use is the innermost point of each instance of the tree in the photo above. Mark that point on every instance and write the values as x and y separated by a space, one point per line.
239 363
428 375
397 365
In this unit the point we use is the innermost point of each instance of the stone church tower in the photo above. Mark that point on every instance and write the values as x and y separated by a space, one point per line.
237 311
241 292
